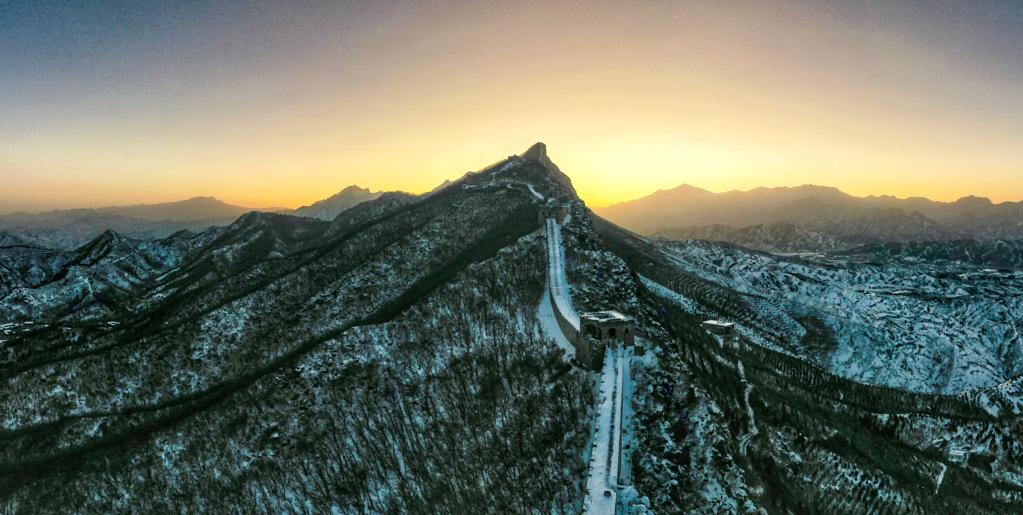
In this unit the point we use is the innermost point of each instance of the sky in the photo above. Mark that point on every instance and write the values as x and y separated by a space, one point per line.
283 103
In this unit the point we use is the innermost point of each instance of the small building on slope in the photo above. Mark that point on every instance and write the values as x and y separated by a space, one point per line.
719 327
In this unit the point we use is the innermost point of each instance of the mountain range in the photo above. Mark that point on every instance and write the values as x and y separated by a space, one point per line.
813 218
787 219
68 229
399 359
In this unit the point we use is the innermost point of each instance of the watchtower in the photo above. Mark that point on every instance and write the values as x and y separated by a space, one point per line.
599 328
555 210
719 327
723 332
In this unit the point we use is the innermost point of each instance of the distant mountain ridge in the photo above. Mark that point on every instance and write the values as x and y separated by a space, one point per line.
70 228
813 218
328 208
193 209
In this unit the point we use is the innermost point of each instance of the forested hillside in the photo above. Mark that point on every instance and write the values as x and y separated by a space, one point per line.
388 362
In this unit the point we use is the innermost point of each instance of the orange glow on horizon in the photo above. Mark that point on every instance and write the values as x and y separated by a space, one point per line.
628 101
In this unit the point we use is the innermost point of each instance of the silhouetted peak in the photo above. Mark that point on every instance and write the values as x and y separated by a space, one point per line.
102 245
538 151
355 189
253 218
685 188
973 201
392 195
203 200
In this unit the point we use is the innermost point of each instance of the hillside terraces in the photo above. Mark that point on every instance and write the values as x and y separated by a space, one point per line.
821 442
915 325
838 430
785 365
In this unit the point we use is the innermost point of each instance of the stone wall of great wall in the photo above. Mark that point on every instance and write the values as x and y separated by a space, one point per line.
567 328
568 322
610 463
589 333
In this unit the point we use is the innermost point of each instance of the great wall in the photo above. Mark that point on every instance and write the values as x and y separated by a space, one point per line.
605 334
741 367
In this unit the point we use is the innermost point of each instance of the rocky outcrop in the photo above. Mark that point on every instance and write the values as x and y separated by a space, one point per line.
538 153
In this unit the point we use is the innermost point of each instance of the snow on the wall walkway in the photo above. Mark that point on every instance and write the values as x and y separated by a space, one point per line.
600 459
551 329
557 280
534 192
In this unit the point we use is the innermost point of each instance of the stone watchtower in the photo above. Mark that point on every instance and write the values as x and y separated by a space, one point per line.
597 329
555 210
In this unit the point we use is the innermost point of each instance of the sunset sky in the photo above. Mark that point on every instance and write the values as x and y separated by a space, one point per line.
284 103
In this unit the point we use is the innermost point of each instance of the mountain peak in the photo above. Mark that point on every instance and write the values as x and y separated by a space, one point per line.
355 188
973 201
107 236
328 208
538 151
686 188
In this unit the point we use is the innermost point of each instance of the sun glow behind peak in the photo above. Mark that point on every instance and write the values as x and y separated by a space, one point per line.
283 105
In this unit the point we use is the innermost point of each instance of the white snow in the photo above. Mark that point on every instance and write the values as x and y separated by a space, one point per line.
550 328
684 302
599 476
616 433
753 431
609 439
534 192
941 477
614 399
912 325
557 279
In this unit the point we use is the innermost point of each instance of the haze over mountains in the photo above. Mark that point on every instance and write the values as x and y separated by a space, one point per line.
68 229
786 219
813 218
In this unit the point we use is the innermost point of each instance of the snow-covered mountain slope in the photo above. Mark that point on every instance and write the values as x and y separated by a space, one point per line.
92 282
774 237
8 239
384 362
913 324
1001 254
368 211
393 360
750 423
